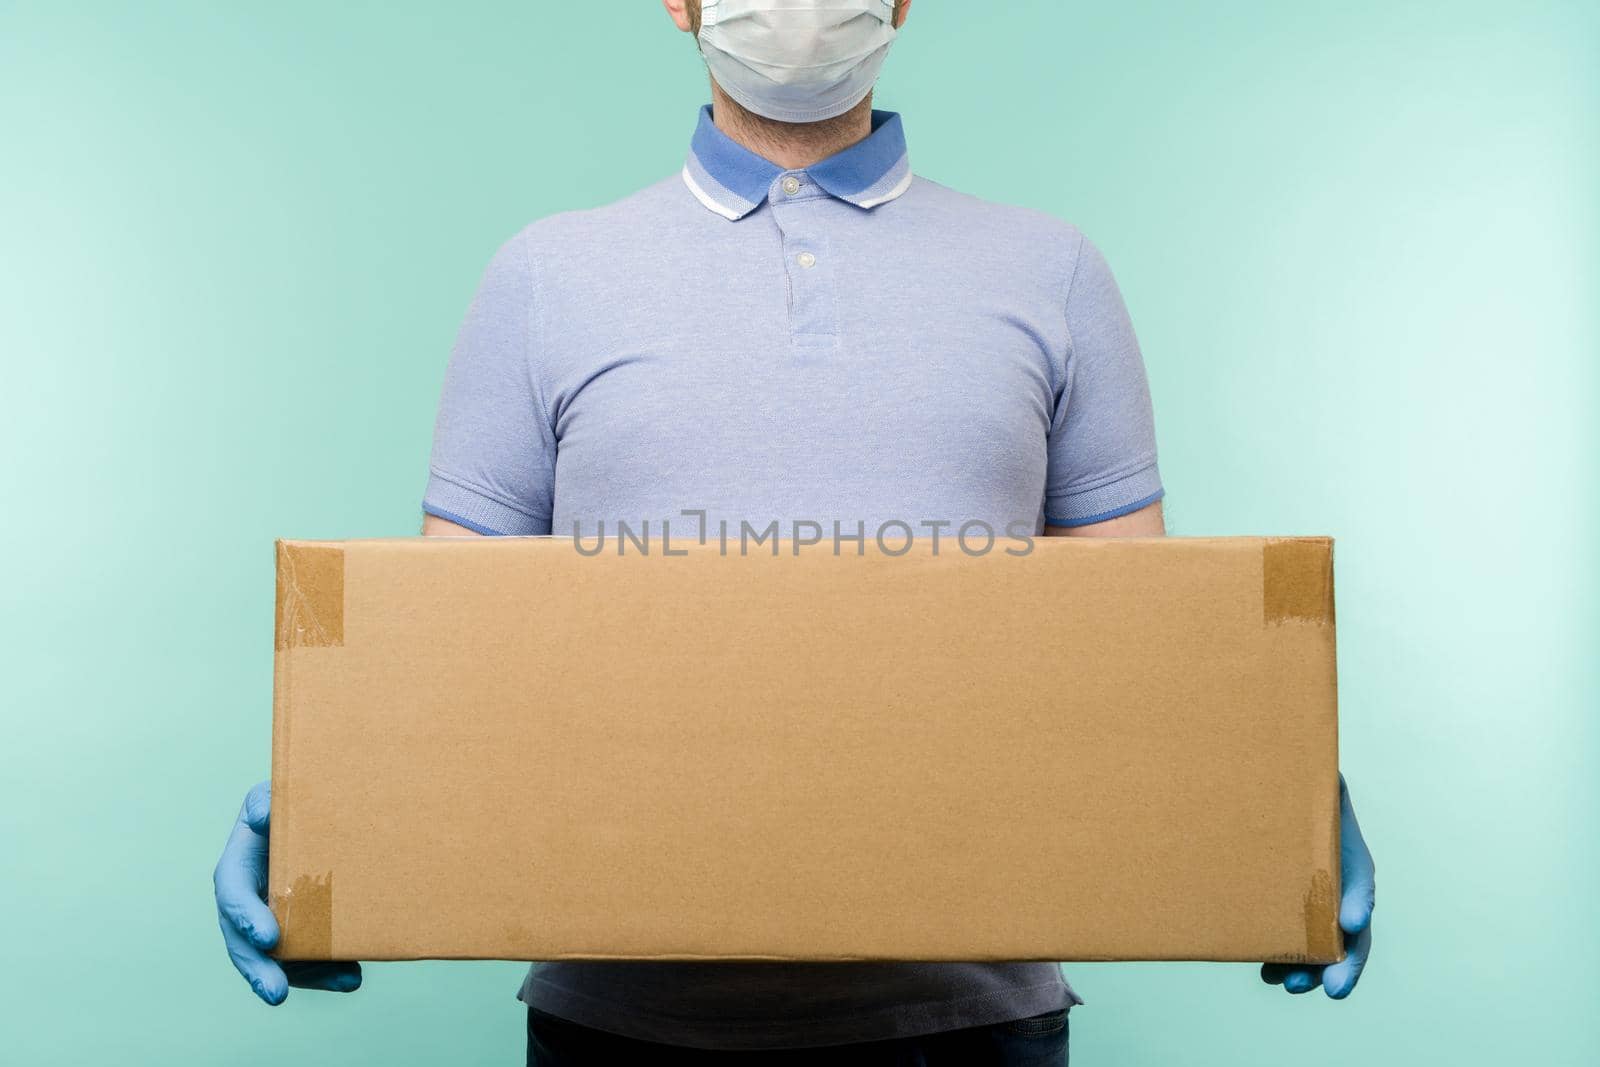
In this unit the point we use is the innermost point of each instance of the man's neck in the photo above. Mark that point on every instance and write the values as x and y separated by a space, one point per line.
791 145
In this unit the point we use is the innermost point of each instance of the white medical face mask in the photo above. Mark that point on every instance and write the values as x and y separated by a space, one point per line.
796 60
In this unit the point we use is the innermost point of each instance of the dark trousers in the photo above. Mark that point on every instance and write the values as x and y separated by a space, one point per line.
1037 1042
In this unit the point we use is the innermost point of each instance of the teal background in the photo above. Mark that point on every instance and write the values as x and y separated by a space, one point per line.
1360 245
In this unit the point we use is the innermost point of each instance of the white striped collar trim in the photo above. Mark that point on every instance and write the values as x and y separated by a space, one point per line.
706 198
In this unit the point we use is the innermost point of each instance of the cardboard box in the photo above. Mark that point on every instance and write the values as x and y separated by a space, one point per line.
501 748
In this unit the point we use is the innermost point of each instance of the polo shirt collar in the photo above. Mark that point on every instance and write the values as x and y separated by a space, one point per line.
733 181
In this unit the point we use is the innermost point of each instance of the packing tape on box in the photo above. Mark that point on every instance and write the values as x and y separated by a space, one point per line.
305 915
1323 939
310 596
1297 580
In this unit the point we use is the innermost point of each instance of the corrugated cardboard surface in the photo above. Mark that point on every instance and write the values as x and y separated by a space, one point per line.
499 748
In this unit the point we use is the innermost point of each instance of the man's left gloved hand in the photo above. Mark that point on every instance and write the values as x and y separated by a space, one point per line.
1355 917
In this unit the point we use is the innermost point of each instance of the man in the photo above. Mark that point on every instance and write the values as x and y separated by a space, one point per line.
792 328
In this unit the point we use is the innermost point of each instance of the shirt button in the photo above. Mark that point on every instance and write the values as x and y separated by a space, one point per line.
806 259
791 184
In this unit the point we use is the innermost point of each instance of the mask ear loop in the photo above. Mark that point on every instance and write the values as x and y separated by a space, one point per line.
708 16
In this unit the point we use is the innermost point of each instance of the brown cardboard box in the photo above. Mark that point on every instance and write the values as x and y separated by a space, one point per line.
500 748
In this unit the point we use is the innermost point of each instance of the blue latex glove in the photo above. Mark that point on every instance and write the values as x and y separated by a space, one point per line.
1355 917
249 928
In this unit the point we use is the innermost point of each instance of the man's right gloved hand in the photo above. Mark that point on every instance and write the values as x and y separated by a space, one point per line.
249 928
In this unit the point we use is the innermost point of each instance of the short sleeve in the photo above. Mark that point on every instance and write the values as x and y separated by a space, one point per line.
493 464
1102 448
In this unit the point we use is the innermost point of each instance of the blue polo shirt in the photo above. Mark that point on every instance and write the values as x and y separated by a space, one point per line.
843 346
